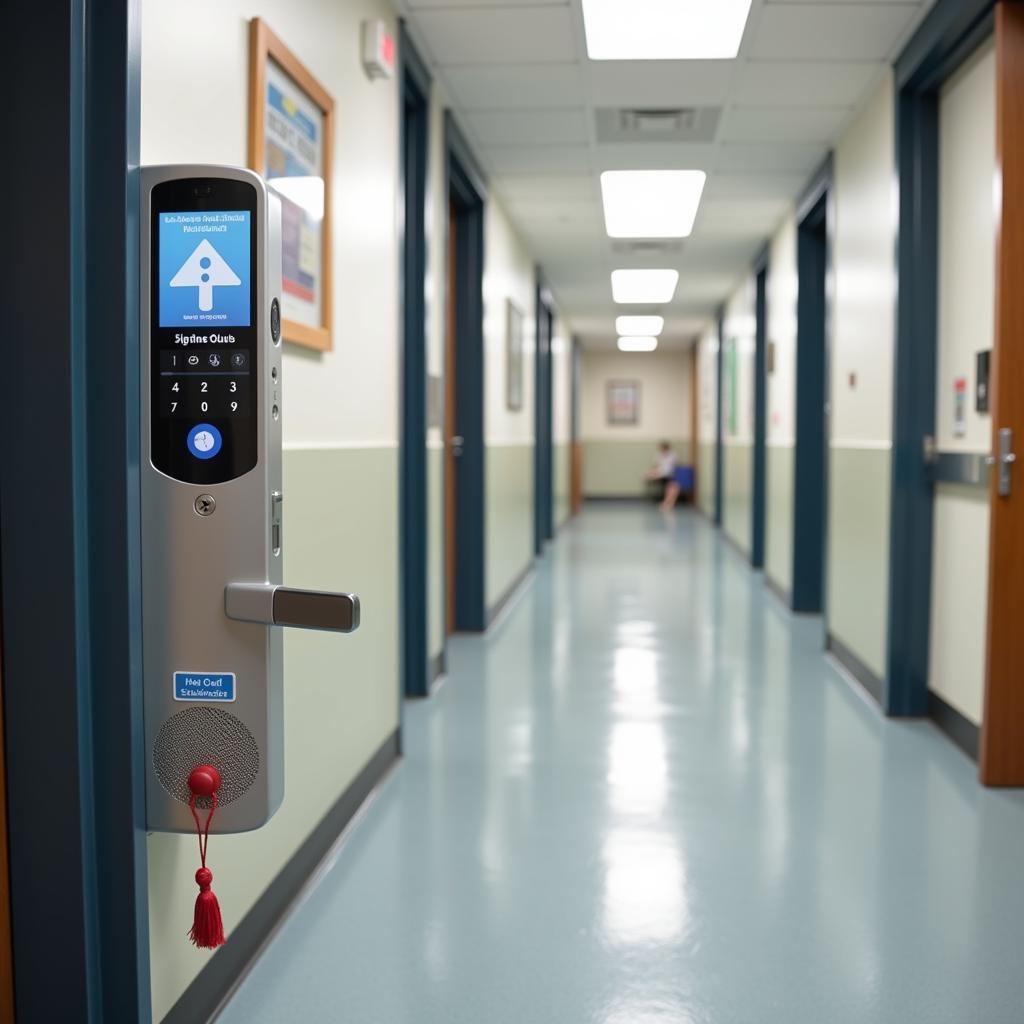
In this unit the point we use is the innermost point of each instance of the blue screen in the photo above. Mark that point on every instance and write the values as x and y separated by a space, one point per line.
204 269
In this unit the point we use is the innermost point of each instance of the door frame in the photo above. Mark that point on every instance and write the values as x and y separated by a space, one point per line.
69 535
543 462
414 90
467 192
576 448
815 217
760 409
946 38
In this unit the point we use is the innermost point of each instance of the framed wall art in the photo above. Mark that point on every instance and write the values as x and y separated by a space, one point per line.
623 403
291 131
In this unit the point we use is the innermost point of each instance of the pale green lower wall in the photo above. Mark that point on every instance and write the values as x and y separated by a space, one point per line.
858 552
341 697
778 526
435 551
509 517
615 469
562 455
737 496
706 478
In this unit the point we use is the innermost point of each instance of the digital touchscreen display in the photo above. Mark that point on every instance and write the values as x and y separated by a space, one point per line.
204 352
204 268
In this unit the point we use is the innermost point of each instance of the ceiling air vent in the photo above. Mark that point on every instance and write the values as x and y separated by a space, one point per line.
647 247
616 126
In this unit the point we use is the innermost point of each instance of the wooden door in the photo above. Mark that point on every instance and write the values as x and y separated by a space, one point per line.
1001 761
450 533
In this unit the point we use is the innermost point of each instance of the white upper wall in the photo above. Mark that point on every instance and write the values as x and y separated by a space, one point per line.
740 341
969 177
561 383
864 309
782 289
665 388
707 401
508 275
348 396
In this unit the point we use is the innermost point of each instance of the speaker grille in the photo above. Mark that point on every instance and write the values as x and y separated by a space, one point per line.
204 735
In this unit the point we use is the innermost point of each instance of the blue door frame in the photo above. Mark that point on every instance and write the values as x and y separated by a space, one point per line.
70 523
543 463
415 87
467 192
719 417
815 222
950 32
760 410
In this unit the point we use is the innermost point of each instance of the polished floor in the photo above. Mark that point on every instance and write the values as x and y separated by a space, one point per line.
647 798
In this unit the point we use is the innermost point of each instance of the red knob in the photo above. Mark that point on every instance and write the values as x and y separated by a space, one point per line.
204 780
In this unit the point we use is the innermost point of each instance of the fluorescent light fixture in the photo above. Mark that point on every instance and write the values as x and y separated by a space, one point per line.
651 287
651 204
664 29
637 344
639 325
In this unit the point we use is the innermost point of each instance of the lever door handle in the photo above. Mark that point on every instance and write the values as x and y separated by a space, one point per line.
274 605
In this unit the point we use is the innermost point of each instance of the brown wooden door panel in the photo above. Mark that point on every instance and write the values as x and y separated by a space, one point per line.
1001 760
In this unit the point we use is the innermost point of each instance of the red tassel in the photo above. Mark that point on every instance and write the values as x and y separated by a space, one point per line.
207 928
207 931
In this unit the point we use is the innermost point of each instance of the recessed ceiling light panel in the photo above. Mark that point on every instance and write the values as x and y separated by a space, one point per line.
651 204
664 29
637 344
651 287
639 325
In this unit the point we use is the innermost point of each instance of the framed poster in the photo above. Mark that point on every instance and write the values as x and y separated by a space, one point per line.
623 403
291 131
513 356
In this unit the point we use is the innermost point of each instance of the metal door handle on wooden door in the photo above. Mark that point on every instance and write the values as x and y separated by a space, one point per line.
1003 462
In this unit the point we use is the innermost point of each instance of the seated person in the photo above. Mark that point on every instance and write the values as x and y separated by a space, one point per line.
663 467
681 482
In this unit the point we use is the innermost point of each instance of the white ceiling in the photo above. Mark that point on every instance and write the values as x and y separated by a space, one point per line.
525 94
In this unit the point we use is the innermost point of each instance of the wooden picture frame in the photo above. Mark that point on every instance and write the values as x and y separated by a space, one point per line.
623 403
513 356
301 111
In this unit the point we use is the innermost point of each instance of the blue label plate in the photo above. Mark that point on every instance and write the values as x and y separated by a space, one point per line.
211 687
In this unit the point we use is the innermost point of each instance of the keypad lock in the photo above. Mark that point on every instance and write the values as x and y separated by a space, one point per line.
213 531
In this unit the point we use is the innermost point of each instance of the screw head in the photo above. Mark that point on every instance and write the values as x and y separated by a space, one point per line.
206 504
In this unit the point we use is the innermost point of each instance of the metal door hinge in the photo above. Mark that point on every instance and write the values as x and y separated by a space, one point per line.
1004 460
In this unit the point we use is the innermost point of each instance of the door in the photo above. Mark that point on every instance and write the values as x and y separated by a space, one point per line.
810 484
452 442
963 428
1002 738
6 966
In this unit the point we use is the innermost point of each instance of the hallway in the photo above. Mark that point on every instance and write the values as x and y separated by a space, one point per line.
646 798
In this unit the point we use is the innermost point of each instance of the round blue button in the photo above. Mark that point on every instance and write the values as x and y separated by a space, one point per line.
204 441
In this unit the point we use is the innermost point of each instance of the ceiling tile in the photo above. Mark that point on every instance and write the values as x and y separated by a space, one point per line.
535 159
529 127
807 84
831 31
781 157
516 86
751 185
659 83
546 187
502 35
784 124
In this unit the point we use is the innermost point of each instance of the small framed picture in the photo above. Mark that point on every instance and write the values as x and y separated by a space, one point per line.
513 356
623 403
291 128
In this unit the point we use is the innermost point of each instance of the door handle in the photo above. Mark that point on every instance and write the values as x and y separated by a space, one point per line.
458 443
1003 461
274 605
